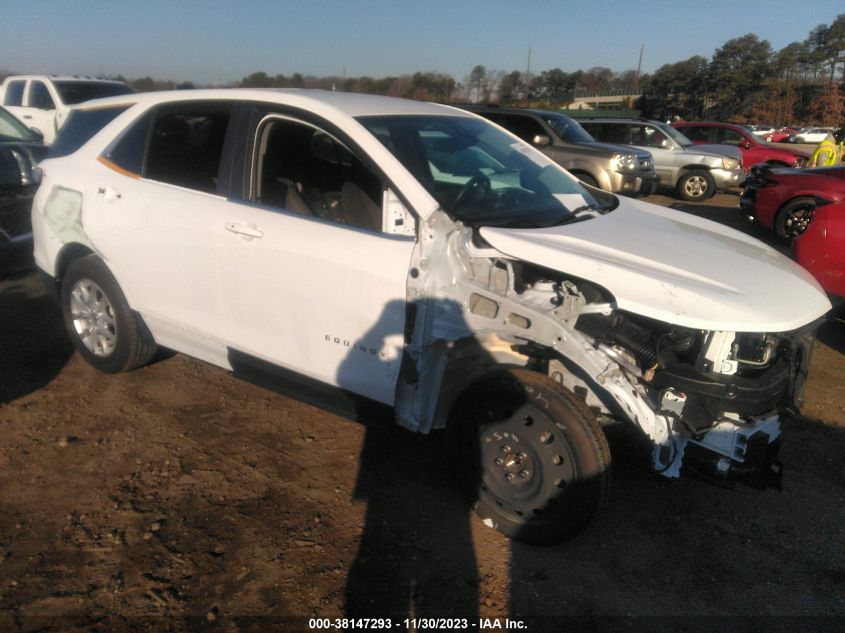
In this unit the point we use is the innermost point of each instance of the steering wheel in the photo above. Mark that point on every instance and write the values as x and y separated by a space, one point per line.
476 188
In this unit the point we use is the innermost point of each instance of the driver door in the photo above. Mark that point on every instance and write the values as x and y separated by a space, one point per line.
310 282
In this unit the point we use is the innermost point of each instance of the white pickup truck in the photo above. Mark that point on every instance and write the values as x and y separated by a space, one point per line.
42 101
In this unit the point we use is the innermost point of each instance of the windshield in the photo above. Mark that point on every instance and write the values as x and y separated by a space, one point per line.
567 129
13 130
78 91
676 136
481 175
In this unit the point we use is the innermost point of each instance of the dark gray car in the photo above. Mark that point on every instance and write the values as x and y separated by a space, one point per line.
610 167
20 150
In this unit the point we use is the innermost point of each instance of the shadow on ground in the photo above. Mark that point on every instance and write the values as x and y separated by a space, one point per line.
33 345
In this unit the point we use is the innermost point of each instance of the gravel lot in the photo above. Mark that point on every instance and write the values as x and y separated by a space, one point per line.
177 498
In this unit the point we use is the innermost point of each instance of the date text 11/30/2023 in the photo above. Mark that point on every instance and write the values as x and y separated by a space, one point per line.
416 624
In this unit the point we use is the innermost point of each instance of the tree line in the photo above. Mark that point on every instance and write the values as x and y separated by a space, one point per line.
744 80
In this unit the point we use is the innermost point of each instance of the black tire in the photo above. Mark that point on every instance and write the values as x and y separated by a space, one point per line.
794 217
104 330
529 456
587 179
696 185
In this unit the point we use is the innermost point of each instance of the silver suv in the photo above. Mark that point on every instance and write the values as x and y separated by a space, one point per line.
610 167
695 172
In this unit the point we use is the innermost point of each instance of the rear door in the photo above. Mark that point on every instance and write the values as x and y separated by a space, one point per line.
159 213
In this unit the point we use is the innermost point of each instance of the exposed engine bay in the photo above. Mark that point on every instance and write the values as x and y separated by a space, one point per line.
711 400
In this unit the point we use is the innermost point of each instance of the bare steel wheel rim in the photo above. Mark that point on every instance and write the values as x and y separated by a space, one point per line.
796 221
695 186
525 465
93 317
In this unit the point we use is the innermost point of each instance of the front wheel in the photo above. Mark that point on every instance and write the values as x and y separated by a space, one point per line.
529 456
696 185
794 218
98 319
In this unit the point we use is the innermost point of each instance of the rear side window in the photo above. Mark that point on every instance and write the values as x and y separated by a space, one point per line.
39 96
80 126
14 93
127 152
186 146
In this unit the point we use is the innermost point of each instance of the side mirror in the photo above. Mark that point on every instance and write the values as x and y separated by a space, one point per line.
15 169
745 144
666 143
541 139
38 133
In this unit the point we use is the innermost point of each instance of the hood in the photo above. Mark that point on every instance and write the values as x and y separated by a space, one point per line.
719 149
676 268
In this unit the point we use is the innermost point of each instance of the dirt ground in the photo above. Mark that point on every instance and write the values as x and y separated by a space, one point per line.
177 498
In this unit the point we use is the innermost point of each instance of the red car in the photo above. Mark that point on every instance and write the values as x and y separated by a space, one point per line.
821 249
785 200
780 136
753 151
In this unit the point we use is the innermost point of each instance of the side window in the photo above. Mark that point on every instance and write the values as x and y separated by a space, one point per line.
14 93
524 127
699 133
39 96
732 137
127 152
302 169
611 132
186 145
653 136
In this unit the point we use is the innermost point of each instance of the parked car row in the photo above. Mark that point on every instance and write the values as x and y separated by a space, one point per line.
753 150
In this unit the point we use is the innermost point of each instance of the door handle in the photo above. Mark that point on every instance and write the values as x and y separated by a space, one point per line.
246 231
27 116
109 194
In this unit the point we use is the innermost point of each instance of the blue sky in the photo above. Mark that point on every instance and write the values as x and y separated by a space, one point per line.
206 41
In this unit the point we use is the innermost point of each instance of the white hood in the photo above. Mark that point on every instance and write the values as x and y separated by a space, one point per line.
676 268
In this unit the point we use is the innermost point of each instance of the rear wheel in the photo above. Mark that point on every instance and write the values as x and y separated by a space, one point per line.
529 456
794 217
696 185
98 319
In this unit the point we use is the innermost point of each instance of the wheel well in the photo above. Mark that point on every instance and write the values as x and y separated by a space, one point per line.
470 360
796 198
688 168
583 172
69 254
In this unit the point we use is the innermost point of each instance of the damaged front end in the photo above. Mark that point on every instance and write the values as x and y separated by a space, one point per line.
710 400
721 394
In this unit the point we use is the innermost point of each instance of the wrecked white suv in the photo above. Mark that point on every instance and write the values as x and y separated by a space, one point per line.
418 256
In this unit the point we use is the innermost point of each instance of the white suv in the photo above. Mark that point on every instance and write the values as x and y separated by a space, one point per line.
42 102
399 253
